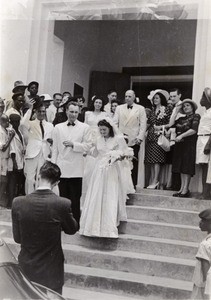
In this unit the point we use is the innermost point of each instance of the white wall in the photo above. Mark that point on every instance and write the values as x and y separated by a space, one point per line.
111 45
80 52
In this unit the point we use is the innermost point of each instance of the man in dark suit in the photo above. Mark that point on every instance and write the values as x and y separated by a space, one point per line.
37 221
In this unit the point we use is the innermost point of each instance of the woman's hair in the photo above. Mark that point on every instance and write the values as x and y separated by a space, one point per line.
96 97
163 100
108 125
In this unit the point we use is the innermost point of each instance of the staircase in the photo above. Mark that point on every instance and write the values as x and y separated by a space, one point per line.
153 258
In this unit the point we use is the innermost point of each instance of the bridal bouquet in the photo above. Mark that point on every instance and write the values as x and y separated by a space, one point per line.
116 155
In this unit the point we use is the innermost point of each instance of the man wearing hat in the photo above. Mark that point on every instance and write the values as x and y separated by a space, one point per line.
204 144
19 87
18 103
202 272
32 88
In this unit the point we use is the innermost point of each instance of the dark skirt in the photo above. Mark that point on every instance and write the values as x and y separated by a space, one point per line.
154 154
184 157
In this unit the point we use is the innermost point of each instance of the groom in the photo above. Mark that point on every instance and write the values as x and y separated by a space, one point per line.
70 142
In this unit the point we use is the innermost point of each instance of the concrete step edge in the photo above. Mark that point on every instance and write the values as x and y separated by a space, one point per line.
127 254
5 223
163 224
129 277
162 209
85 294
120 253
158 240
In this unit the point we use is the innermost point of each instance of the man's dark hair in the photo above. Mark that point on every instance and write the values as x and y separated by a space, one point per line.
80 97
56 94
111 91
176 90
67 93
50 172
74 103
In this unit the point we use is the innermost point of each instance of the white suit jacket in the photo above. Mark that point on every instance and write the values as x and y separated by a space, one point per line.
131 122
70 160
18 148
35 141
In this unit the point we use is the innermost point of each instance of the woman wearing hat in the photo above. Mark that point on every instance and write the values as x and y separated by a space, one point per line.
185 146
204 144
155 156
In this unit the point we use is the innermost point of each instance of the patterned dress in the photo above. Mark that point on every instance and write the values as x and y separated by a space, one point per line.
154 153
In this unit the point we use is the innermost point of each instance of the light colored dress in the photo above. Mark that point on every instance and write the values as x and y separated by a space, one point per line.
92 119
202 287
104 205
204 131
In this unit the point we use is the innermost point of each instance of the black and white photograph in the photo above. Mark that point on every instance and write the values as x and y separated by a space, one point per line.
105 149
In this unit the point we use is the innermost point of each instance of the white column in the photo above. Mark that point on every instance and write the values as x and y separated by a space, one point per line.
202 61
202 67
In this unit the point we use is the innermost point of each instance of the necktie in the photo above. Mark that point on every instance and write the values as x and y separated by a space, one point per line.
129 107
70 124
42 129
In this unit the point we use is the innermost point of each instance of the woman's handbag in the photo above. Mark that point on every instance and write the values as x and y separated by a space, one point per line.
163 142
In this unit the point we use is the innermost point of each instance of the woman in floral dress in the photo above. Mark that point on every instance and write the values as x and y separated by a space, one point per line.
154 154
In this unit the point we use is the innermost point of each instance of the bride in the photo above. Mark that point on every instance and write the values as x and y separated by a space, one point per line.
104 205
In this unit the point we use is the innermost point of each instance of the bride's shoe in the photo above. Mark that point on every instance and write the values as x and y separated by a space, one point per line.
153 186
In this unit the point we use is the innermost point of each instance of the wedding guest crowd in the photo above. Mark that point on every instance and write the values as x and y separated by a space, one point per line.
37 128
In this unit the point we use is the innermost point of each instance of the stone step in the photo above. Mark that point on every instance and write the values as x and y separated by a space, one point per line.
126 283
142 228
162 230
146 264
144 191
140 263
153 191
86 294
140 244
163 201
115 281
149 213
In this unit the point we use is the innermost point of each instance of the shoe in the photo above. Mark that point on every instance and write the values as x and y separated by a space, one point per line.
176 194
153 186
186 195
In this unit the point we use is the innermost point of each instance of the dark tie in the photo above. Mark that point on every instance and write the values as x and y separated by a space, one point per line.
70 124
42 129
129 107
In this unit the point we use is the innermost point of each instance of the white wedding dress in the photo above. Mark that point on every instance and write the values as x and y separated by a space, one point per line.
104 205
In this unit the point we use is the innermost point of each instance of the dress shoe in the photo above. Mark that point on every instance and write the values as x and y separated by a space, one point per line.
176 194
153 186
186 195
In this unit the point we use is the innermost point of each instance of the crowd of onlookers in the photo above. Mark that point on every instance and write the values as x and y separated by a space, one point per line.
28 137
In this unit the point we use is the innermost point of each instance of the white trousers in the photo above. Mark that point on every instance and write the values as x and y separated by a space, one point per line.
31 171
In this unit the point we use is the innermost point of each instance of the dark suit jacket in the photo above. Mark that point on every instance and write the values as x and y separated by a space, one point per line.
37 221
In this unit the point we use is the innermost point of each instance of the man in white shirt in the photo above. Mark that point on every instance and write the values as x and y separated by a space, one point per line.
175 97
16 179
112 95
38 149
52 109
131 120
70 142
